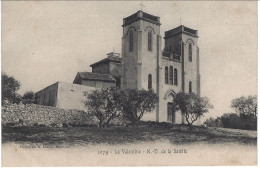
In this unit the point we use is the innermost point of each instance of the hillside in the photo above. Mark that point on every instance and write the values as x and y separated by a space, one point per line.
145 132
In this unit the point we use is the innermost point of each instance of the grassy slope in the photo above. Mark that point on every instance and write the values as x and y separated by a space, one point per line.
176 134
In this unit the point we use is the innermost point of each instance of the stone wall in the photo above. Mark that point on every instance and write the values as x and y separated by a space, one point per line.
32 114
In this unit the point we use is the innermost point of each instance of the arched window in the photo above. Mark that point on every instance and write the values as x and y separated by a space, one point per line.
190 86
175 77
166 75
131 41
190 52
171 75
149 81
149 41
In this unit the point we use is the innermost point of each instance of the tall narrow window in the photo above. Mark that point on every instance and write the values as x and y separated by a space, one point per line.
131 41
149 41
190 52
149 81
175 77
166 75
190 86
171 75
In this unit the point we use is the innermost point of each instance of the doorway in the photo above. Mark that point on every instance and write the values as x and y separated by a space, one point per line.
170 113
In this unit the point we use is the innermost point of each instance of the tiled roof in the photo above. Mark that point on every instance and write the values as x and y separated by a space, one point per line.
96 76
112 59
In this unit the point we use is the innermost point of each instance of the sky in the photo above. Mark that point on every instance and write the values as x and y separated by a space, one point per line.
48 41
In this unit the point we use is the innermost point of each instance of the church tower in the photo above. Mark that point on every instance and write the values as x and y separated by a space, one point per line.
141 44
180 63
183 41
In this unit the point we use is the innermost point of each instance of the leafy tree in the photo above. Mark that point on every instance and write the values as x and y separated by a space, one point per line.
191 105
104 104
137 102
245 107
28 97
10 86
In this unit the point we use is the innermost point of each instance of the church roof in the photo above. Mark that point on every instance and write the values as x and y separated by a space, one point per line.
108 59
140 15
96 76
181 29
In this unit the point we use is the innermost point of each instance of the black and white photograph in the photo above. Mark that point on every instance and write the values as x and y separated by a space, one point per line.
129 83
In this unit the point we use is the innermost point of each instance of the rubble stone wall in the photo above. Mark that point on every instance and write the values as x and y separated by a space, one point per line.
32 114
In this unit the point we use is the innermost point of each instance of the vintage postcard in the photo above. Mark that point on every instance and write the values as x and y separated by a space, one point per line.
129 83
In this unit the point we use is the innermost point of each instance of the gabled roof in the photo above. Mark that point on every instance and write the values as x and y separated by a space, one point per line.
108 59
95 76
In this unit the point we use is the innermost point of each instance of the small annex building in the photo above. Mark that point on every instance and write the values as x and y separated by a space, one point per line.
71 95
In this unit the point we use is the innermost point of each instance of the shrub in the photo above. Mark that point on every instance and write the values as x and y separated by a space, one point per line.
233 120
28 97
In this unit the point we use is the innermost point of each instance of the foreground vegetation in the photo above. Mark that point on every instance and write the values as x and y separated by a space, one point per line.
131 104
143 132
245 116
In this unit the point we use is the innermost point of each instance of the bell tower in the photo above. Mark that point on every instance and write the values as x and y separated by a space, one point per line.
141 44
182 42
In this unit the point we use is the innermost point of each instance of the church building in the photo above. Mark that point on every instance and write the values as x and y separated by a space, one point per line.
143 65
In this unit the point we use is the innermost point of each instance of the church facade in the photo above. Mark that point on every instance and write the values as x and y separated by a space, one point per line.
167 72
144 65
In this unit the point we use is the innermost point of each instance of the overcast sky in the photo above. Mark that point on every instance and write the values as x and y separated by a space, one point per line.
49 41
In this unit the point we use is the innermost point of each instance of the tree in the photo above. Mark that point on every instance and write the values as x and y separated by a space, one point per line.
245 107
28 97
137 102
104 104
10 86
191 105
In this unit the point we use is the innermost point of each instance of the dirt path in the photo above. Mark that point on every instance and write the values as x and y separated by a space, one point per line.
249 133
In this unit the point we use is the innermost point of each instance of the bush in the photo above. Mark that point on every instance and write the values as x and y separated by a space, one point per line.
233 120
211 122
28 97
